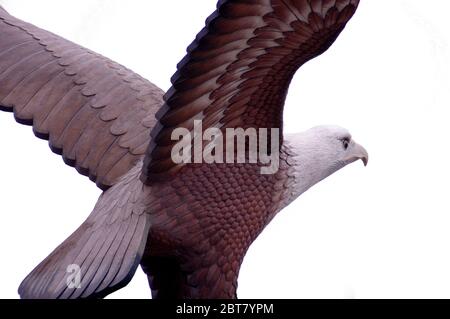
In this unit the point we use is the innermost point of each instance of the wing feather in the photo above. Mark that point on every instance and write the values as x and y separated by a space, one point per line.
107 247
73 97
238 69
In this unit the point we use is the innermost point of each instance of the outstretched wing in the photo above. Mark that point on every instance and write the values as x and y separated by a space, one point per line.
95 113
237 71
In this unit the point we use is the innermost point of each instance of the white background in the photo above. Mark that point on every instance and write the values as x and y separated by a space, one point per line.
376 232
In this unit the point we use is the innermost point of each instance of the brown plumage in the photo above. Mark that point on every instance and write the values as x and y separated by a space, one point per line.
95 113
189 226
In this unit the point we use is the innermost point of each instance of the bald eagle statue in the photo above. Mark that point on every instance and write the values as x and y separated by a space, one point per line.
188 224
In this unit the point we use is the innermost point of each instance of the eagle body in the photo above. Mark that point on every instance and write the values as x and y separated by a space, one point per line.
203 231
188 226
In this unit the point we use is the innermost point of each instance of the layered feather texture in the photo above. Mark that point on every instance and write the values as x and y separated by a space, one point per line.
95 113
237 71
107 247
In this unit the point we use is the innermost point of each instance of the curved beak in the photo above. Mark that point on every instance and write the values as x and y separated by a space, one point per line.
357 152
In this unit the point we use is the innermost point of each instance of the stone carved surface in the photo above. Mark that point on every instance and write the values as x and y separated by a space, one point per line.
188 226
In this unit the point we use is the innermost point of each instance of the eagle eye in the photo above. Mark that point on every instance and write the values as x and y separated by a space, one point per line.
345 142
